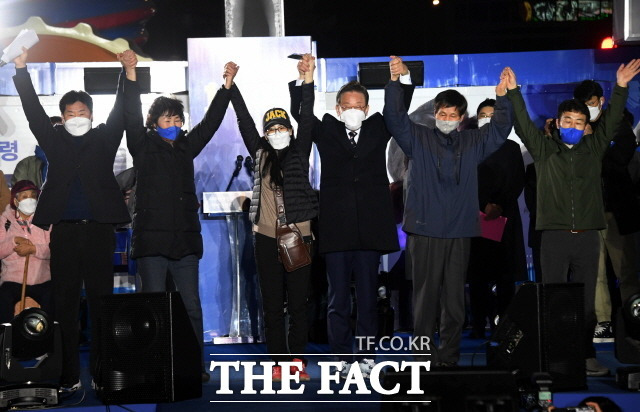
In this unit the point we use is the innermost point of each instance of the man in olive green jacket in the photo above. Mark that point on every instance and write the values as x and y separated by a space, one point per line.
569 195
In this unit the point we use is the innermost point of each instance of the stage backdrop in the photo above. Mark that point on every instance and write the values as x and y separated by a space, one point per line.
264 73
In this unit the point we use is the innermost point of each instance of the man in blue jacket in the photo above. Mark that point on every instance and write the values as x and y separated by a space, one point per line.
441 205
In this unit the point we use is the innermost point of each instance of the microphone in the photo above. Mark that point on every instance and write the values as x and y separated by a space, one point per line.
248 163
239 160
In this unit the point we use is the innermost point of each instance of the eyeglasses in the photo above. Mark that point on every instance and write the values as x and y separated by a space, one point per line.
278 128
354 107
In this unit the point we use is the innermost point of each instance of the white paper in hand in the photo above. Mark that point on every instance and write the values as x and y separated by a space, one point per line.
26 38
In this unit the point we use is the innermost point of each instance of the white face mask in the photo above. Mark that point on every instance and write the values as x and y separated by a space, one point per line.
78 126
483 121
594 112
279 140
27 206
353 118
447 126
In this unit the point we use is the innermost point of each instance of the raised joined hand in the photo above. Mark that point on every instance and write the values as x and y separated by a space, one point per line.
397 67
230 72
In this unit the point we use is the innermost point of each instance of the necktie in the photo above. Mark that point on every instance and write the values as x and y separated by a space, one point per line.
352 139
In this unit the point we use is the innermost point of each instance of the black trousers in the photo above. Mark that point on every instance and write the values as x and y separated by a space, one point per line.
364 266
80 253
438 267
11 292
277 286
573 257
489 264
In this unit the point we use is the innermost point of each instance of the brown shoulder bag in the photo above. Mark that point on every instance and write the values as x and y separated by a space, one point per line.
293 252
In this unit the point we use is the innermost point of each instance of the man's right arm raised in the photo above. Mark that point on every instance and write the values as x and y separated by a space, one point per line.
39 121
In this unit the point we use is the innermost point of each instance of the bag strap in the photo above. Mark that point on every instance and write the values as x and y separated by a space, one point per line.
281 220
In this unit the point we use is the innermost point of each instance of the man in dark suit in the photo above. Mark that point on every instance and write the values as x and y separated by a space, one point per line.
82 201
501 179
356 224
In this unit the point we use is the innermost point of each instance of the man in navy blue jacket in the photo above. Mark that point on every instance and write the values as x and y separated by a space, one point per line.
441 205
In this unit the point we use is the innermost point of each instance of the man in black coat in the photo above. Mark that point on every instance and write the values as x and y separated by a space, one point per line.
81 199
356 223
621 211
501 179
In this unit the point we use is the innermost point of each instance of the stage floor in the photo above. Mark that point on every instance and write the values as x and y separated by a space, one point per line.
472 354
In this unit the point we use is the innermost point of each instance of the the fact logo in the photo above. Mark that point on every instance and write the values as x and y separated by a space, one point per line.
329 372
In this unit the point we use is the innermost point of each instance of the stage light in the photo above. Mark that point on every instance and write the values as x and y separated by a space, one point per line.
627 330
631 312
436 2
608 43
31 366
33 334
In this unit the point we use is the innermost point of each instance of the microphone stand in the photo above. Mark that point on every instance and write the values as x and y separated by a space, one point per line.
236 171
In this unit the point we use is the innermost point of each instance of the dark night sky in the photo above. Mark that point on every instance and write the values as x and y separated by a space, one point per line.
355 28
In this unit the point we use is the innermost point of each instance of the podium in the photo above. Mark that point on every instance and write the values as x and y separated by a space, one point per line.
232 206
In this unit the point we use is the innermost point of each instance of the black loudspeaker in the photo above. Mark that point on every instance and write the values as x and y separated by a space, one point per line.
104 80
627 347
460 390
543 331
376 75
148 350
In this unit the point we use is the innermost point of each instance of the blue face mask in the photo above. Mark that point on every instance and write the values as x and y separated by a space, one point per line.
170 133
571 135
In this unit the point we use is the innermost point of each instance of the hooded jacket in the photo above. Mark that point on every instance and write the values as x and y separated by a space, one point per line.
33 168
166 221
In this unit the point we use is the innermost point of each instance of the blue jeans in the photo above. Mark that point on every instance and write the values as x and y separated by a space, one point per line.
153 272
